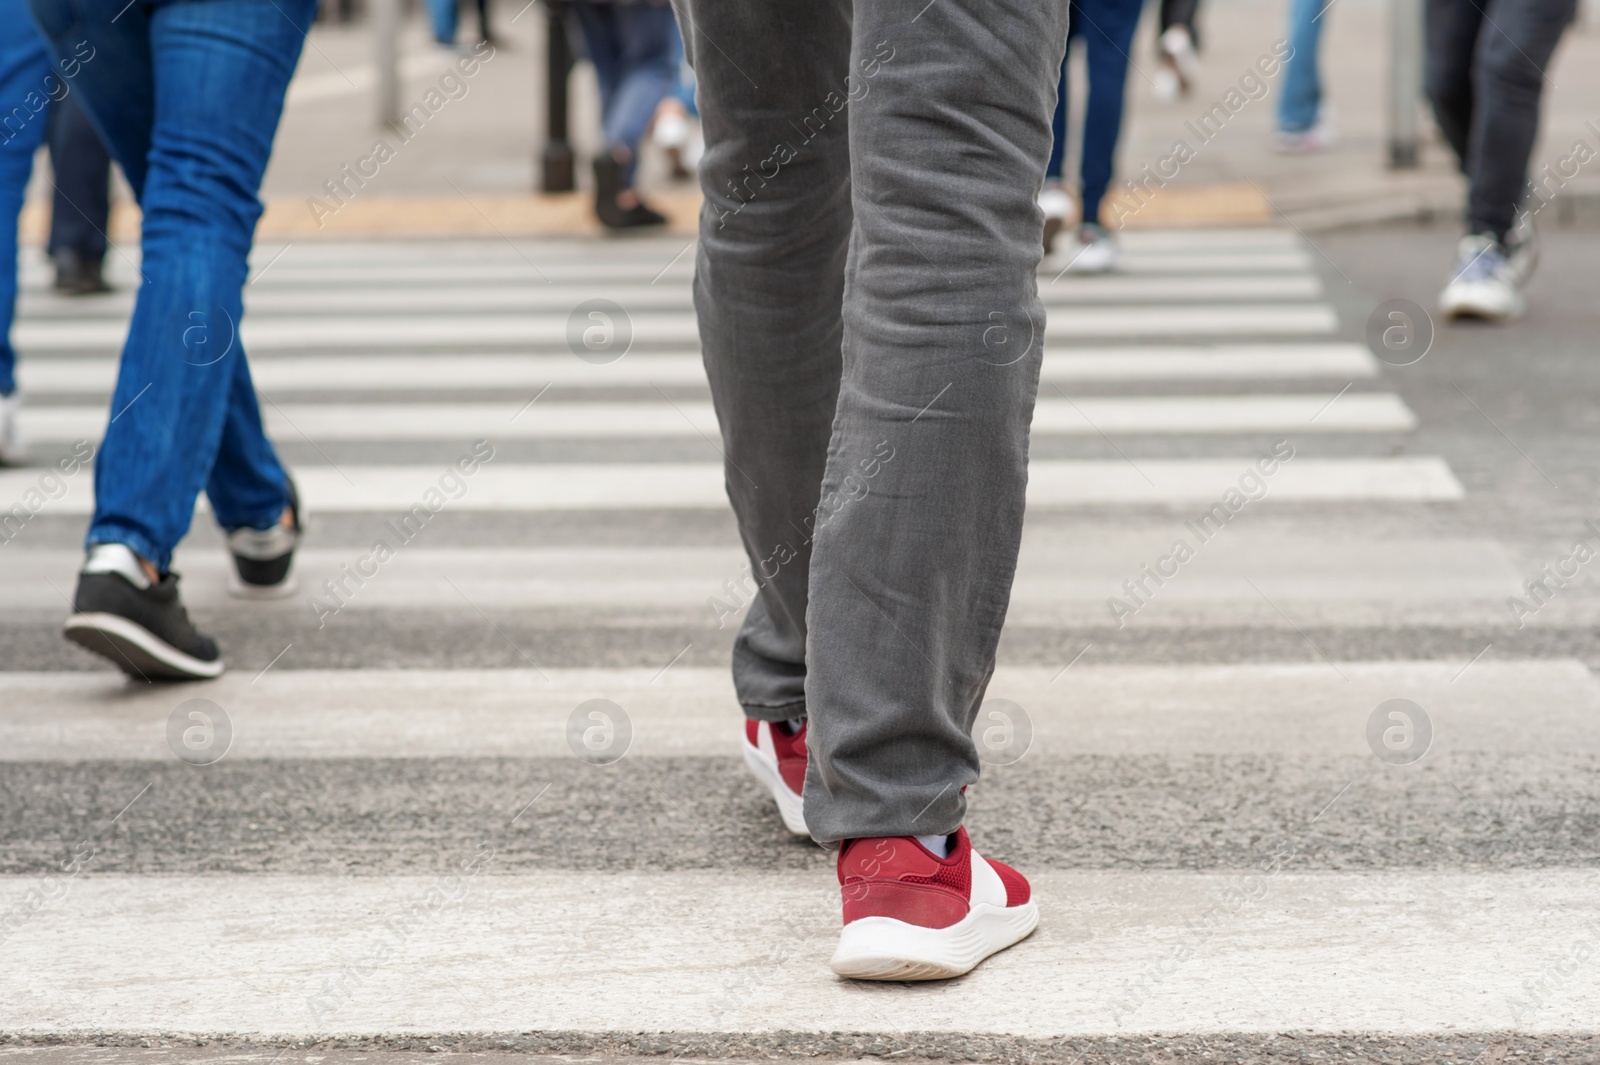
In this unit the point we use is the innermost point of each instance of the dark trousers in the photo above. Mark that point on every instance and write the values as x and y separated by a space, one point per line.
1180 13
1485 74
1106 28
81 210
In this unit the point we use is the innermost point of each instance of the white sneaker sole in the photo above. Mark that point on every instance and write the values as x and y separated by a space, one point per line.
791 807
1466 302
882 948
136 650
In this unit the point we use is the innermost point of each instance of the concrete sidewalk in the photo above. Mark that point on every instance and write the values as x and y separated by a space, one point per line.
470 169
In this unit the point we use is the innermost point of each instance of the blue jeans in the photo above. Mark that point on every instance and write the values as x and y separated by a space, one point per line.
683 88
445 18
1302 82
27 85
1106 27
633 51
184 413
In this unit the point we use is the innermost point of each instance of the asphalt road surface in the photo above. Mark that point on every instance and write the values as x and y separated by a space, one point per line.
1325 791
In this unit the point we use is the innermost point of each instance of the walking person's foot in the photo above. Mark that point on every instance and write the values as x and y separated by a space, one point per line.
1522 248
78 275
131 615
910 914
1177 49
1054 204
1484 284
12 451
1094 251
775 751
616 206
1318 137
263 559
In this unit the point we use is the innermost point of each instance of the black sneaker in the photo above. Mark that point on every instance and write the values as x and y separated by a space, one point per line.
141 628
263 559
607 187
77 275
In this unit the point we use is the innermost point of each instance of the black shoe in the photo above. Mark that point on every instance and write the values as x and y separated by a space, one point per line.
77 275
145 632
263 559
607 186
638 215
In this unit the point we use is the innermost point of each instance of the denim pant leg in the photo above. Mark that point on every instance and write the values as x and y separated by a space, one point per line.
247 486
224 65
769 288
1107 28
915 532
26 82
1508 74
1301 98
1058 118
645 33
444 16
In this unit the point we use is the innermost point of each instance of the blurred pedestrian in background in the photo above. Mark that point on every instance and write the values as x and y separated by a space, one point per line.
1177 44
633 45
1305 119
37 104
445 17
187 94
676 130
28 82
1485 72
1106 29
80 210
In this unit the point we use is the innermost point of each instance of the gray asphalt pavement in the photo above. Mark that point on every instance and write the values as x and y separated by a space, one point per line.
1230 714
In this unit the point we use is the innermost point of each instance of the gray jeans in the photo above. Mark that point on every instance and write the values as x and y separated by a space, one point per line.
870 318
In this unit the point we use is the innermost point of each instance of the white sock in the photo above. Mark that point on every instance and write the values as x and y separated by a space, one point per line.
939 845
117 558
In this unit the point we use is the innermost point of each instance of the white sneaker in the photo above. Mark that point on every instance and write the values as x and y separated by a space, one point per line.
1055 205
1319 138
1522 248
1167 85
1483 284
1095 252
11 450
1179 47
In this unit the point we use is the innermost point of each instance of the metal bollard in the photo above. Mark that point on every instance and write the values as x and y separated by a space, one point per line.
555 158
386 42
1405 82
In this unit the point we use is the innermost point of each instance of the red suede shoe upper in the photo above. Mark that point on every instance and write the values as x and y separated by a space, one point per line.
791 752
900 878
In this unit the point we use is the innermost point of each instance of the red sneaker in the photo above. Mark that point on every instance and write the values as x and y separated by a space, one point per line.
909 915
778 760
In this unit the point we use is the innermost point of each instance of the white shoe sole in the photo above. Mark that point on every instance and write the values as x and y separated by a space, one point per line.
136 650
882 948
791 807
1468 304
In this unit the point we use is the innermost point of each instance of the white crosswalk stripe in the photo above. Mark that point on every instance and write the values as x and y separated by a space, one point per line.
430 373
390 717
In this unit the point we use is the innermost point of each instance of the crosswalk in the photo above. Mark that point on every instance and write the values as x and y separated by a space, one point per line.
400 833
